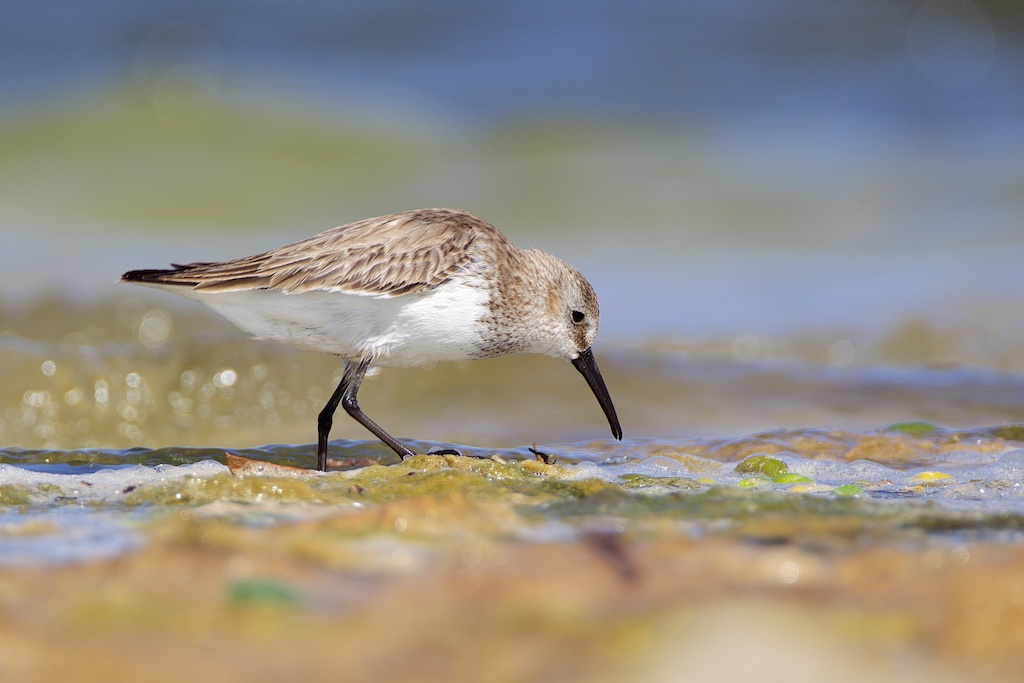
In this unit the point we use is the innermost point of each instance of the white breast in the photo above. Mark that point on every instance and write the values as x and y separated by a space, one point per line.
404 331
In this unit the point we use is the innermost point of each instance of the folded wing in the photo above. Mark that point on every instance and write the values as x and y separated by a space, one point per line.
390 255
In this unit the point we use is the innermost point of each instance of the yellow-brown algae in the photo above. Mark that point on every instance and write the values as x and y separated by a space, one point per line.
203 490
891 450
977 444
247 467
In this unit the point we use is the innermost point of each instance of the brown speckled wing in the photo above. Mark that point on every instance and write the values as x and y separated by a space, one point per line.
396 254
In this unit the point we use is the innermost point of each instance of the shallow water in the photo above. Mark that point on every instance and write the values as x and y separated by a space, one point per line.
970 479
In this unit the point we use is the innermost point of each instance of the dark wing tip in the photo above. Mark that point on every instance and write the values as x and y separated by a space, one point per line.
141 275
159 276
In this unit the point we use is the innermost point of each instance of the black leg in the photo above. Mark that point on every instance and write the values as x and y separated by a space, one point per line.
326 419
345 394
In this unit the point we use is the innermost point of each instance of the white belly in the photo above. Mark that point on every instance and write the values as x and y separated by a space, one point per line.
403 331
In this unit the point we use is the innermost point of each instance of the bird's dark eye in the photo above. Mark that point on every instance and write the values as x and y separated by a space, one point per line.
578 316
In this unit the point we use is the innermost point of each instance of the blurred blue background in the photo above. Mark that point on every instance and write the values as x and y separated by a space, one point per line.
737 173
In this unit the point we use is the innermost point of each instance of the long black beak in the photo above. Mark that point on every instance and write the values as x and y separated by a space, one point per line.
587 366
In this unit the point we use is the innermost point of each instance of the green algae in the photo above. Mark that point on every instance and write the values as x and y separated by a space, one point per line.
479 478
363 519
716 502
15 494
202 490
913 428
762 465
1010 432
434 496
643 481
848 490
791 478
263 592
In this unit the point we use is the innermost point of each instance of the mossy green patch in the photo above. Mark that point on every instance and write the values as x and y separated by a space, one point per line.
263 592
912 428
762 464
792 478
15 494
848 490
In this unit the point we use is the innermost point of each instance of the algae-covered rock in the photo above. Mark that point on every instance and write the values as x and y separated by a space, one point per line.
761 464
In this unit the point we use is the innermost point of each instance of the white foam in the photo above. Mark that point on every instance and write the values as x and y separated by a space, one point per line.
103 484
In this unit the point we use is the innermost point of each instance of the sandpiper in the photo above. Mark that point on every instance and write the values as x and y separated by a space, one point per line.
402 290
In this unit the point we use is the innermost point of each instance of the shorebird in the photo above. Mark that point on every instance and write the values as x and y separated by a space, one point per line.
403 290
